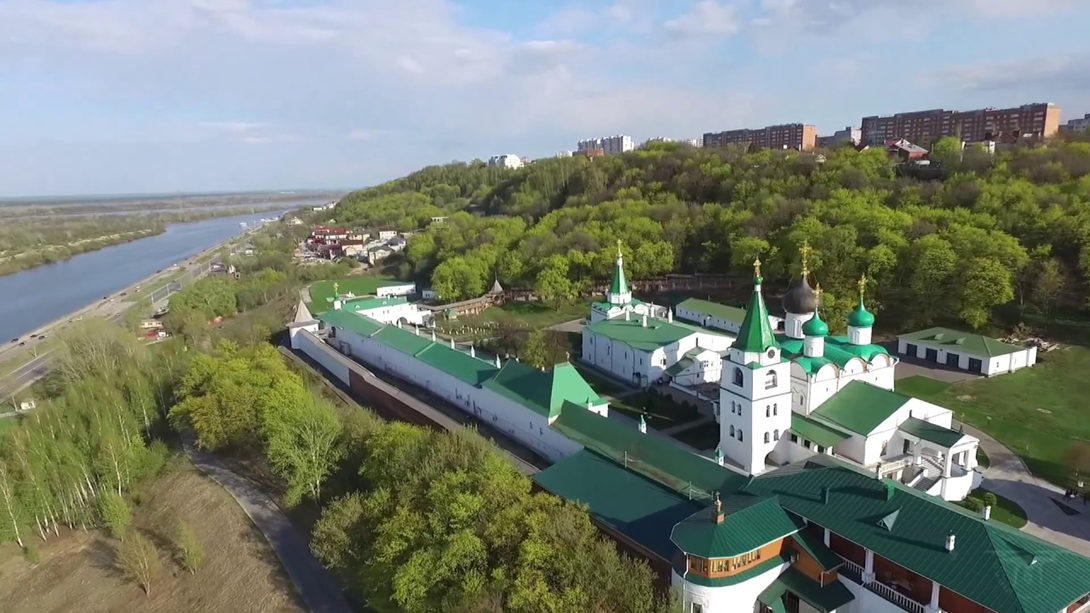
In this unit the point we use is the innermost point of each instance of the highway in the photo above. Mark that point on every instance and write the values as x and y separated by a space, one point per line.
112 308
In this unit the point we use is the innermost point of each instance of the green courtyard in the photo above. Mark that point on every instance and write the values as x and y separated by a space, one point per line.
522 314
322 291
1040 413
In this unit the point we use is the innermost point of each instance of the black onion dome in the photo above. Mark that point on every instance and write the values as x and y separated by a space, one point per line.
800 298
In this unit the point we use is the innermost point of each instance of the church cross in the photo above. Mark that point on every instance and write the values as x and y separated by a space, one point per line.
862 285
805 250
757 266
619 247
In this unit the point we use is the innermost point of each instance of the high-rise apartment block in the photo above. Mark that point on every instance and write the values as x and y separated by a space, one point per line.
786 136
610 144
1037 120
1077 125
847 135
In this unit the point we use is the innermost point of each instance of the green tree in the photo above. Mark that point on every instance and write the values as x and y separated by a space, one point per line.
303 446
188 548
114 513
552 284
139 559
947 152
535 350
1049 282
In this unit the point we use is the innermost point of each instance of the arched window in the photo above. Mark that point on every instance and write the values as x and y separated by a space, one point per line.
775 435
770 380
739 409
732 407
740 437
732 431
768 411
738 376
767 437
775 409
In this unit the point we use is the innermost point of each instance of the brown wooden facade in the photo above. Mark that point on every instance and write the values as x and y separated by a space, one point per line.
718 568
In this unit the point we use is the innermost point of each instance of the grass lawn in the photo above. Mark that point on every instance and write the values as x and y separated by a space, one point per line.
321 291
8 423
1005 511
527 314
702 437
1037 412
660 411
601 383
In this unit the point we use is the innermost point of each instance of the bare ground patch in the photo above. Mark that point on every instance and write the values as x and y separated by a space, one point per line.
78 572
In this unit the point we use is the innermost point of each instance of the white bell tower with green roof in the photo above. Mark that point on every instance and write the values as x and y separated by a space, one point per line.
755 389
619 294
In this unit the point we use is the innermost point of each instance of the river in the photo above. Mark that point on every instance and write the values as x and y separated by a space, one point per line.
35 297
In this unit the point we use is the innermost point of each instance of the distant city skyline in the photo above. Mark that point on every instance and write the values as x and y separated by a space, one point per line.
137 96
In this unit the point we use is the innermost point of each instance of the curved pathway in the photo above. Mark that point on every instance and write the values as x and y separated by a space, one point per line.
1009 477
319 590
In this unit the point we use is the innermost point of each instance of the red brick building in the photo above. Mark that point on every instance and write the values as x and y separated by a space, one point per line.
925 127
802 137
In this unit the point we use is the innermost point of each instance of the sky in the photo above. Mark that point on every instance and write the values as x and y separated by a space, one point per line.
141 96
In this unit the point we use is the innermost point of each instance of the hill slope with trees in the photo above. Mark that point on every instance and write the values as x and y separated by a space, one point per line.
974 232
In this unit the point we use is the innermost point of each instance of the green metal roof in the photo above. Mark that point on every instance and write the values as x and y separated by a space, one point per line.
657 334
992 564
749 523
815 547
861 317
653 456
714 309
812 429
635 506
860 407
956 341
823 598
619 285
544 392
867 352
366 304
755 335
363 326
681 365
461 366
932 432
837 351
815 326
402 340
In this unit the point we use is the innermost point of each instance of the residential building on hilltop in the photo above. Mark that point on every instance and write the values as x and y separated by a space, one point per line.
802 137
506 160
1037 120
847 135
610 145
1080 124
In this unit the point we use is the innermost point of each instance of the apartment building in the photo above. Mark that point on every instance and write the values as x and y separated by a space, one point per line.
1077 125
802 137
506 160
847 135
609 144
1041 119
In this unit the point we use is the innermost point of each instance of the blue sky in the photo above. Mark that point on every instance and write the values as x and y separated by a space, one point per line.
118 96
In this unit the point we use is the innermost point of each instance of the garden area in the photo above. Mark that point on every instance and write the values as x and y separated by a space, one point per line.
659 410
522 314
1039 413
322 291
1004 510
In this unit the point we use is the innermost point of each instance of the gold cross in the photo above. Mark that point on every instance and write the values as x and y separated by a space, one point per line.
862 285
336 287
618 247
757 266
804 250
817 292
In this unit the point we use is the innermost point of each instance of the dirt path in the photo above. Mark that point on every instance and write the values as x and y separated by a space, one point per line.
317 586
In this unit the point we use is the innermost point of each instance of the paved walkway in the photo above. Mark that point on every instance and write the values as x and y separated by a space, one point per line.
316 584
1008 476
672 430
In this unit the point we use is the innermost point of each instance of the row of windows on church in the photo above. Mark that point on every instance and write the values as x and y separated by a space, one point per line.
770 410
769 436
771 378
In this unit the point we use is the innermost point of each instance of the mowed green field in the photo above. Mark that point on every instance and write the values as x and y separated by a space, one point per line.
322 291
1037 412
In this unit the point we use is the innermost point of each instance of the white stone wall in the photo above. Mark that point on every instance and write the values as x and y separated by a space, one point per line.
719 323
764 399
396 290
314 347
992 365
738 598
410 312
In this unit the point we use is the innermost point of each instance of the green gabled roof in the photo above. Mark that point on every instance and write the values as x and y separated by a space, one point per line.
860 407
714 309
932 432
749 523
366 304
363 326
681 365
755 335
956 341
813 430
606 306
867 352
991 564
658 333
402 340
461 366
823 598
543 392
812 365
837 351
635 506
650 455
815 547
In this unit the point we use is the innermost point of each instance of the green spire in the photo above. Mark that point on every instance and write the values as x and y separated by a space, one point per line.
861 317
619 286
756 335
815 326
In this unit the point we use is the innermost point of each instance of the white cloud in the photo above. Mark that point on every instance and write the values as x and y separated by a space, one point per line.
1048 73
705 18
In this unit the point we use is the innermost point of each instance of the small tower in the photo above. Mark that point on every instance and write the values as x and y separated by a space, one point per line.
800 302
861 320
755 390
815 330
619 293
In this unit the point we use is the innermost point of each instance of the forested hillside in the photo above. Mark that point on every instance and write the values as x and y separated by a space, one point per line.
978 232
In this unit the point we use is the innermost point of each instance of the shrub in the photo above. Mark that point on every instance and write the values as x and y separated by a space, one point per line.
31 553
990 500
114 513
187 548
137 556
973 504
